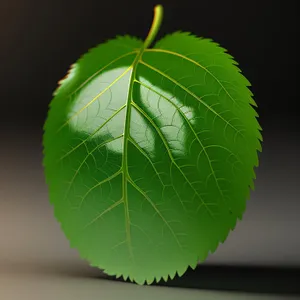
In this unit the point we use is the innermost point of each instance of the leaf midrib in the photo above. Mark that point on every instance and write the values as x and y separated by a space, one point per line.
126 136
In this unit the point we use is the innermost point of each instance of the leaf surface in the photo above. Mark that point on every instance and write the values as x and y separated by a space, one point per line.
149 154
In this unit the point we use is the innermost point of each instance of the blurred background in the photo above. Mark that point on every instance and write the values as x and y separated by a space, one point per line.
41 39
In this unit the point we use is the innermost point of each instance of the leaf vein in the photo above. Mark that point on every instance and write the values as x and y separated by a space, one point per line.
99 184
169 152
95 98
134 143
85 159
189 92
100 70
104 212
155 208
197 64
193 131
96 130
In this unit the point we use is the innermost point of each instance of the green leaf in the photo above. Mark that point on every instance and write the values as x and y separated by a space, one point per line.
149 153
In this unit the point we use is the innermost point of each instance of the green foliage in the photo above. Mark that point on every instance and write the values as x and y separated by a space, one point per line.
149 153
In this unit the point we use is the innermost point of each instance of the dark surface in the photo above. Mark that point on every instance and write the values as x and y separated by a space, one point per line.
35 286
257 280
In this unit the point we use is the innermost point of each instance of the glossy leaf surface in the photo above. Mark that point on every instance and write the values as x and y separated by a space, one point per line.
149 154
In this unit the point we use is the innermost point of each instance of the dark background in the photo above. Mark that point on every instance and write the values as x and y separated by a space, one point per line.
41 39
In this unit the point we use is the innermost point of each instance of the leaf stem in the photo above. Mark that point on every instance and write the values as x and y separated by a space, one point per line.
157 19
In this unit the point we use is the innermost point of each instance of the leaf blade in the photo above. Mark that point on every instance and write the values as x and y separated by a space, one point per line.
169 123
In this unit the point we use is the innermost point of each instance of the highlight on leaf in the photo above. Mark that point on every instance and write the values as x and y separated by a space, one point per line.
149 153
